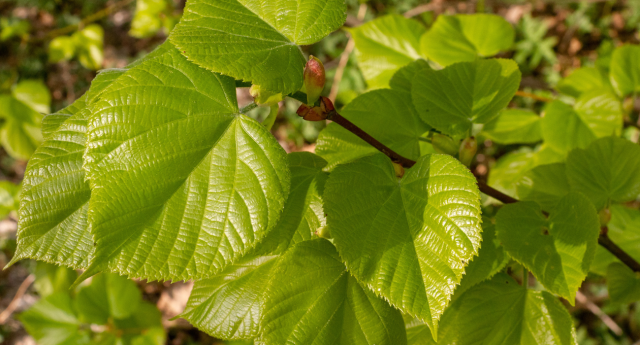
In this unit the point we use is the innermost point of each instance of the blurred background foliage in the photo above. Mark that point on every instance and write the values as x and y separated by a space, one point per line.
50 50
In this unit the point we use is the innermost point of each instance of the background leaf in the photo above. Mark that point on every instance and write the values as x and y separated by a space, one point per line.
514 126
52 321
624 230
20 132
544 184
623 284
625 70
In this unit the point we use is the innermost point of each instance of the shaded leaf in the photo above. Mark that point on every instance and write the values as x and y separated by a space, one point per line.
623 284
544 184
514 126
108 296
625 70
624 230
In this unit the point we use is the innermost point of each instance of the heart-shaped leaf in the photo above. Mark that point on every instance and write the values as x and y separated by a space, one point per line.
463 37
313 300
500 311
409 241
384 45
254 40
606 171
211 183
452 99
559 250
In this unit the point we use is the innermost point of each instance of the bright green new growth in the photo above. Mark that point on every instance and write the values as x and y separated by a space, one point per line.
557 250
409 241
256 41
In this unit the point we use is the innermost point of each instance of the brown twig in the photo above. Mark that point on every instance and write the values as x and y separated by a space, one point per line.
592 307
344 57
603 240
22 289
105 12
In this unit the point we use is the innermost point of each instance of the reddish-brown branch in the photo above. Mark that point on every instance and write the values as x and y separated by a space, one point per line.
603 240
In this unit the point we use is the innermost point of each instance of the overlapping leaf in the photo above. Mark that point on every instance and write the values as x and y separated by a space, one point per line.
384 45
623 284
500 311
606 171
179 190
387 115
625 70
451 99
624 230
544 184
583 80
460 38
314 300
514 126
558 250
230 304
409 241
254 40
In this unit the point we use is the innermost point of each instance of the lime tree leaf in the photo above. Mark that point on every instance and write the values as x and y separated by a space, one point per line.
51 122
418 333
491 259
52 279
385 114
20 133
606 171
514 126
34 94
451 99
559 250
595 115
108 296
625 70
256 41
53 321
463 37
313 300
583 80
230 304
89 44
384 45
500 311
409 241
62 48
8 195
142 327
623 284
214 181
624 230
544 184
402 80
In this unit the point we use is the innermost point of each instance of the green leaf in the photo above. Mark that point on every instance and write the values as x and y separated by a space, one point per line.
147 20
214 182
595 115
384 45
606 171
625 70
52 279
313 300
544 184
491 259
62 48
451 99
230 36
51 122
52 321
108 296
9 193
500 311
623 284
402 80
624 230
33 93
89 43
142 327
230 304
583 80
386 115
558 250
460 38
303 212
409 241
514 126
20 133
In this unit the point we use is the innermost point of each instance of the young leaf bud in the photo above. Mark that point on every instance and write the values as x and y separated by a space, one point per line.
264 97
323 232
319 113
399 169
605 216
443 144
314 79
468 150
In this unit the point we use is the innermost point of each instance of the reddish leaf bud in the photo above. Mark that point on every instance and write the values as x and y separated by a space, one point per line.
468 150
311 114
314 79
